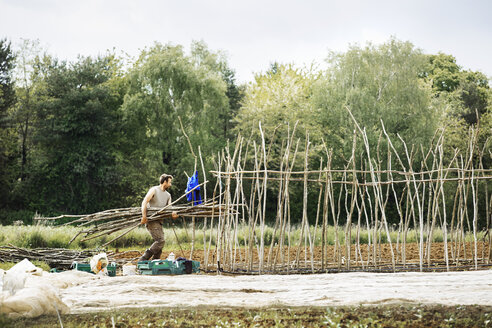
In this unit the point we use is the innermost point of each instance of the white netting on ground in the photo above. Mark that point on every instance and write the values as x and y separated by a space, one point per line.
318 290
26 290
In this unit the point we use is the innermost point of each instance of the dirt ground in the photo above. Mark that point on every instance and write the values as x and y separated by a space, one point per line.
383 254
401 299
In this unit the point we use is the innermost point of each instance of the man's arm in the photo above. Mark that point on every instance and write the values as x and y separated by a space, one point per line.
145 201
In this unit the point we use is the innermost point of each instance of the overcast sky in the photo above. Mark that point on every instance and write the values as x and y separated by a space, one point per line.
253 33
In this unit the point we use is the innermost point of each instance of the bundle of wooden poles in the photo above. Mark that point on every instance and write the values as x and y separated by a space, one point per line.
114 220
111 221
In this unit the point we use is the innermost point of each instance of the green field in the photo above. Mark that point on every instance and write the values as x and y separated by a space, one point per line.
361 316
40 236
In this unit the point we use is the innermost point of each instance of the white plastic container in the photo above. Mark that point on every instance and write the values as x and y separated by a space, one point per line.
171 257
129 269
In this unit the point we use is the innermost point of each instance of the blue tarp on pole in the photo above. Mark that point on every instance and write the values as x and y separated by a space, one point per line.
193 196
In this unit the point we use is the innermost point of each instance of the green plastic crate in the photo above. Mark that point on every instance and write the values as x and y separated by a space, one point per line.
167 267
87 268
159 267
163 267
145 267
111 269
196 266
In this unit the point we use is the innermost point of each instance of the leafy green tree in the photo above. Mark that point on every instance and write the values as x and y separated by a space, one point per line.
167 85
474 96
465 92
376 83
235 94
485 139
7 133
29 81
278 99
7 92
465 97
77 135
217 62
443 72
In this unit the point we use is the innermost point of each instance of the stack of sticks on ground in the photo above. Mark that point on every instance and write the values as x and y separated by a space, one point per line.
55 257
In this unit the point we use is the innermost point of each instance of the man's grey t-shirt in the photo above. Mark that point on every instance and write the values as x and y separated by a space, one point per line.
161 198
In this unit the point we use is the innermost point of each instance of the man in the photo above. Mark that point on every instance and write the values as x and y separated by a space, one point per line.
157 196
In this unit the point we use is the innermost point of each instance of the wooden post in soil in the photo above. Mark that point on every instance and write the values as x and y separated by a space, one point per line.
445 223
227 219
475 219
287 209
304 203
460 231
325 220
363 211
348 230
237 197
419 207
218 243
255 211
407 187
452 229
230 231
331 195
320 194
204 230
433 203
282 210
279 212
489 231
471 149
245 208
262 223
480 167
325 207
378 190
194 170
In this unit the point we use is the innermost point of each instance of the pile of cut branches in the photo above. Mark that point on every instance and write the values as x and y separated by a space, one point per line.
54 257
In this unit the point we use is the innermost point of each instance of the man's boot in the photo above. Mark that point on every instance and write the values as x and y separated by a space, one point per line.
145 256
157 255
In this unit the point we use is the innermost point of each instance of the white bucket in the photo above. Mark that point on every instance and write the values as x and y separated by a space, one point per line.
129 270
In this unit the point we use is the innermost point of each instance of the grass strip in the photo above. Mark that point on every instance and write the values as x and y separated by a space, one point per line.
406 315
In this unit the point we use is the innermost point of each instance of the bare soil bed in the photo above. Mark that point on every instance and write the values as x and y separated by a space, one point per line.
383 255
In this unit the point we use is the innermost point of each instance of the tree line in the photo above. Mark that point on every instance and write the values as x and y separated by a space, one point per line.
94 133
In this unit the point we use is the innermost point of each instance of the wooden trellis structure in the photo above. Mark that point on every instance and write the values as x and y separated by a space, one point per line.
446 192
